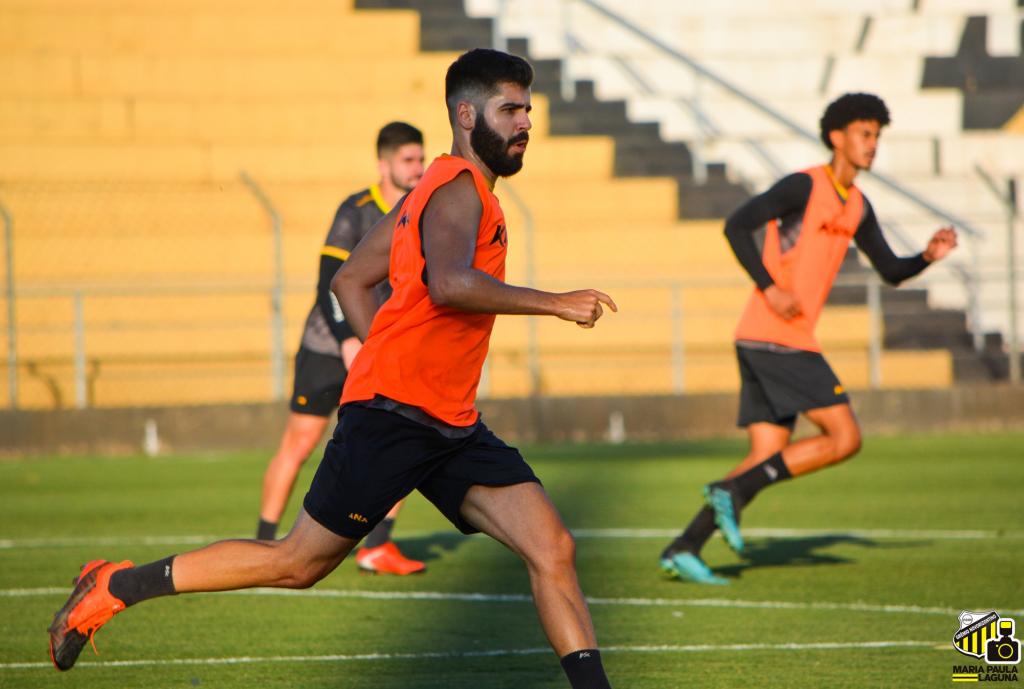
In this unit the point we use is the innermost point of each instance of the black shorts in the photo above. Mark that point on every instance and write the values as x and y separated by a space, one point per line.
776 386
377 457
319 379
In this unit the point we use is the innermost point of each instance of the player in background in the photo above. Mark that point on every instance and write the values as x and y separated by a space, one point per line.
408 418
791 240
329 346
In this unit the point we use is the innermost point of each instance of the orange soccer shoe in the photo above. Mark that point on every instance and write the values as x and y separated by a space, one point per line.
88 608
387 559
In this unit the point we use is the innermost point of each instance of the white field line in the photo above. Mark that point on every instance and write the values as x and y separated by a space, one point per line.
698 648
443 596
128 541
935 534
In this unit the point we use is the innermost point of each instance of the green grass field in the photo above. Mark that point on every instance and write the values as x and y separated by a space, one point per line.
855 576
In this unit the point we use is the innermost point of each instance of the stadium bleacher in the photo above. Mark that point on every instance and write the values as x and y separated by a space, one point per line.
120 153
796 57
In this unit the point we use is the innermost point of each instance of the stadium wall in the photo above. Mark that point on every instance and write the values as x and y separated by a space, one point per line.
258 426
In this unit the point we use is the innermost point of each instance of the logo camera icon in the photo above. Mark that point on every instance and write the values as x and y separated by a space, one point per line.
1004 650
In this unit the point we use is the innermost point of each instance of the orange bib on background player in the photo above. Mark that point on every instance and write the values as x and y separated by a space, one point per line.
808 269
418 353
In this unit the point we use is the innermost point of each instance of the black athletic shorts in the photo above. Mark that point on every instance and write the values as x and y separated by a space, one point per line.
319 379
377 457
776 386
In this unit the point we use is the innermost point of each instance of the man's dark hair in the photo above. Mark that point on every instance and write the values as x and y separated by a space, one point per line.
476 74
394 135
851 107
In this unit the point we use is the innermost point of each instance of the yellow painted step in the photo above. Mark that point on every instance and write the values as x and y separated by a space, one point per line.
123 6
1015 124
645 325
625 372
178 32
38 76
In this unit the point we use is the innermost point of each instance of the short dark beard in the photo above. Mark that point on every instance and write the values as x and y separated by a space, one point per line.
493 148
398 185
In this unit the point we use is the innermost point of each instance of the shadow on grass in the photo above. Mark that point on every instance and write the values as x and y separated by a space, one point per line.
632 451
782 552
431 546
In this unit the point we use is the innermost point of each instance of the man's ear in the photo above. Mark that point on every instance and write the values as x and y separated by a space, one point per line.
465 114
837 137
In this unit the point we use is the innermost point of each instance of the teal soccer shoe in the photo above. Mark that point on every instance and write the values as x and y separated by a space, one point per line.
688 567
721 500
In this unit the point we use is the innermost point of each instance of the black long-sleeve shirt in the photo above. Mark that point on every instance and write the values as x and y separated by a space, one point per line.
787 202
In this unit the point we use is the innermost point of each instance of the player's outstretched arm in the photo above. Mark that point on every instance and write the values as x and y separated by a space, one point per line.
450 223
939 246
355 281
895 269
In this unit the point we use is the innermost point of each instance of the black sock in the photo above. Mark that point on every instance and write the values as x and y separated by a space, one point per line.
266 531
697 533
380 535
144 582
753 480
584 669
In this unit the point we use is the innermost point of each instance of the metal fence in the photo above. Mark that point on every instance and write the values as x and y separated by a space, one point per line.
112 300
110 346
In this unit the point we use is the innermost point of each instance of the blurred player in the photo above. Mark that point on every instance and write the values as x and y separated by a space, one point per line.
329 346
408 417
791 240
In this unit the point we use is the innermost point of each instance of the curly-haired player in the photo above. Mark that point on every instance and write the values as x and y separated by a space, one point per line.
791 240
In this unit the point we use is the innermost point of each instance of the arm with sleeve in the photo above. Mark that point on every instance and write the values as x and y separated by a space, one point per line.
789 195
871 241
341 239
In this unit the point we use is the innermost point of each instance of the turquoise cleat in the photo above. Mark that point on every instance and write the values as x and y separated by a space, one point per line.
688 567
723 503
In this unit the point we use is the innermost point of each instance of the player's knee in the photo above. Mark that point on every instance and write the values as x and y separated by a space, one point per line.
302 575
294 569
558 553
847 442
300 446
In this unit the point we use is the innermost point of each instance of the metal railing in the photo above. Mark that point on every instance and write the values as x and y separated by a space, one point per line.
707 130
666 333
277 296
12 328
764 108
1009 202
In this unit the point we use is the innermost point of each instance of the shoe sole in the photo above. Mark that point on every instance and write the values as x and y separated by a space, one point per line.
669 568
729 531
371 570
67 644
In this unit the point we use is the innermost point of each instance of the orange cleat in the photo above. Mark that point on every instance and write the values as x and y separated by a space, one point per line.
88 608
387 559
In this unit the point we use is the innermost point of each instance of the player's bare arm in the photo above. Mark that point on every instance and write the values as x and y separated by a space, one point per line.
355 281
450 223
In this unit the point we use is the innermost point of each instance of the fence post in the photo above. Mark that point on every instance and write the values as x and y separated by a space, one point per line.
1011 268
12 324
277 364
875 329
568 86
678 356
498 41
81 384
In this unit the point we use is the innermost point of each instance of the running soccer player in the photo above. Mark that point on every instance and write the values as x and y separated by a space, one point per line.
408 417
791 240
329 346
